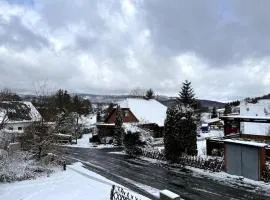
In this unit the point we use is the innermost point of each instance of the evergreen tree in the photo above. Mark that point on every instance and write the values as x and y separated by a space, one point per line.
132 143
214 113
81 106
180 134
118 129
67 101
186 95
59 99
228 109
98 115
149 94
172 149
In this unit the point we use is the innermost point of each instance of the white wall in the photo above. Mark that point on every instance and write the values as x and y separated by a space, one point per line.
262 109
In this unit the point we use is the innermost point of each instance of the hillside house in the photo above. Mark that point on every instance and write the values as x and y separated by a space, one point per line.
15 116
146 114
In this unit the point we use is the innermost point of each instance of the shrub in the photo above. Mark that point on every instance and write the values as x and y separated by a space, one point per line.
132 144
95 139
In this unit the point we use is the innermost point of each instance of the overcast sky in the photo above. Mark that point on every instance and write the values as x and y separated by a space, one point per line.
111 46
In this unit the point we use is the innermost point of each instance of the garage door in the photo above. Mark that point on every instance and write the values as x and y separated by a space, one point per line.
233 159
243 161
250 162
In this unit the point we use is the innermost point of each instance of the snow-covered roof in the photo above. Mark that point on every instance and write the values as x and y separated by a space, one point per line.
250 143
221 110
19 111
204 125
245 117
146 111
213 120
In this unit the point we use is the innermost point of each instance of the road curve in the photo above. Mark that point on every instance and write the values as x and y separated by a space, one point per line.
126 172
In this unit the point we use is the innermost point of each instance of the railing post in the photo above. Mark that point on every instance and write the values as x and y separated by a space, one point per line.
112 192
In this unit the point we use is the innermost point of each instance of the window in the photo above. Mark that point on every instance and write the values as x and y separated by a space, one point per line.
10 128
126 113
19 128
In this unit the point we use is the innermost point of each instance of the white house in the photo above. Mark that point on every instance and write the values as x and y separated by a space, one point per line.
256 109
16 115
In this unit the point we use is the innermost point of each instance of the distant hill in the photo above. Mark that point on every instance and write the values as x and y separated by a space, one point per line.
211 104
204 103
106 99
267 96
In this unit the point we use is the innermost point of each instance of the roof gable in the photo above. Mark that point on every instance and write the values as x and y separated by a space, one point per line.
146 111
18 111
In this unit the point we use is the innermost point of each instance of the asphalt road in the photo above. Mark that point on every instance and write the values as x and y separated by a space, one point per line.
127 171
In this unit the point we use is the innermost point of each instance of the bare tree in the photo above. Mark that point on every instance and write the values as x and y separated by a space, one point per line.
7 95
3 119
138 92
38 139
44 100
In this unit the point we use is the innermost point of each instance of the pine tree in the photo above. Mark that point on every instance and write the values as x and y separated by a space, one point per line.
228 109
179 133
118 129
132 143
98 116
149 94
172 149
214 113
186 95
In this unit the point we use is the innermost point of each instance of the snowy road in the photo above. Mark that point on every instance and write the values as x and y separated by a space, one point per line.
137 174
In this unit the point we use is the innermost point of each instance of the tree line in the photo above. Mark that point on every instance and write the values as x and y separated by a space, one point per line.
50 106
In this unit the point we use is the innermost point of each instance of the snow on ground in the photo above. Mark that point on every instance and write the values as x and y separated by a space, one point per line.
233 180
84 143
77 183
222 177
201 147
118 152
211 134
201 141
88 120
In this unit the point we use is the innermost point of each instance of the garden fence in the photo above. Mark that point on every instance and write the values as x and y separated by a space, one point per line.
212 164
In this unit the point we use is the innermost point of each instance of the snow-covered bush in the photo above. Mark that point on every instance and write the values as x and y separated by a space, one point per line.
20 166
144 135
15 167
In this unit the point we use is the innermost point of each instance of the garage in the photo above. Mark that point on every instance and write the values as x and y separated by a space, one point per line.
244 158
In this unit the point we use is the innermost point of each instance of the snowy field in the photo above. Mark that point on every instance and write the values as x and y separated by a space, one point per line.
77 183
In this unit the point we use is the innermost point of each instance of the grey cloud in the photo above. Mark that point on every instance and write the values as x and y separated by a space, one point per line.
224 32
15 35
219 35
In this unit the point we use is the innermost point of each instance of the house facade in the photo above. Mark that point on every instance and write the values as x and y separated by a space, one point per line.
15 116
146 114
127 115
260 108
